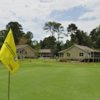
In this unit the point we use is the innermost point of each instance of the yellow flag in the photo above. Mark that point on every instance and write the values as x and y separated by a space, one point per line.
8 54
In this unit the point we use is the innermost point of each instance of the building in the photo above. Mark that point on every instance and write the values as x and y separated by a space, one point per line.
45 53
25 51
81 53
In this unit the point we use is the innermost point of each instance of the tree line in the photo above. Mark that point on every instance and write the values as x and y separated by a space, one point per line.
76 35
53 41
20 36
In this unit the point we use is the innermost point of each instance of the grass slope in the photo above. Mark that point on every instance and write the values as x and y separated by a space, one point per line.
51 80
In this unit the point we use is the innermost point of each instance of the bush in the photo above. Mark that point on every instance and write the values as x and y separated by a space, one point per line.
63 60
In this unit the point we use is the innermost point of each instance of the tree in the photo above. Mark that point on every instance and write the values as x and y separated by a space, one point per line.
29 37
98 42
50 27
67 44
78 36
95 37
3 34
37 47
82 38
59 29
72 28
54 27
17 30
26 39
19 36
59 46
49 43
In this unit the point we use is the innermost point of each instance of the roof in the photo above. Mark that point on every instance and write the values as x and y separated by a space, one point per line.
44 51
21 46
24 46
84 48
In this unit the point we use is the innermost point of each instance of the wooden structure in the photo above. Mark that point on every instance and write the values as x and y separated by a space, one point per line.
25 51
81 53
45 53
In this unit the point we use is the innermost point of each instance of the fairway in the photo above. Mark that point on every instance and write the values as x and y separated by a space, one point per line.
52 80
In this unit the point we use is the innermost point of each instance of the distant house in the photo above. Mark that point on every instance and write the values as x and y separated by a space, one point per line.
79 52
45 53
25 51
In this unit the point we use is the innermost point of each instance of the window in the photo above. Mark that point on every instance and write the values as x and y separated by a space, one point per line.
81 54
68 54
25 52
20 51
89 53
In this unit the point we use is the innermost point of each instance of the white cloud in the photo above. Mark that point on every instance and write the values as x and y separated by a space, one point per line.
34 8
93 9
87 26
32 14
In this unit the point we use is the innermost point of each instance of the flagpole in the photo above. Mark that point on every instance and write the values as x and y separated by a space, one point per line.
8 51
8 85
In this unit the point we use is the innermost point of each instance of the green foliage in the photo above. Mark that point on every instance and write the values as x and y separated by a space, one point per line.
72 28
29 37
82 38
3 34
19 34
63 60
58 47
95 37
54 27
49 43
67 44
17 30
37 47
59 29
78 36
50 27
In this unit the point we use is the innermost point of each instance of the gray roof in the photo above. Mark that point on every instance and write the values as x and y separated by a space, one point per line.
21 46
24 46
84 48
44 51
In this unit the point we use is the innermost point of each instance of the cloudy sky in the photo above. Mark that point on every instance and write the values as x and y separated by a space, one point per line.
32 14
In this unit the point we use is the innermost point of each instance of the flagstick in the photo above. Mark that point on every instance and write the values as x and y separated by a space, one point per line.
9 85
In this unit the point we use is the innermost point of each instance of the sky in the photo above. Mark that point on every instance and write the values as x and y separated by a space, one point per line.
32 14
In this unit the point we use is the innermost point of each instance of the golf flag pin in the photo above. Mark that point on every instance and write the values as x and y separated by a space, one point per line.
8 54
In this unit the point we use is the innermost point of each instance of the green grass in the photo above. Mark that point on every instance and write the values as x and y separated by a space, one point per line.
51 80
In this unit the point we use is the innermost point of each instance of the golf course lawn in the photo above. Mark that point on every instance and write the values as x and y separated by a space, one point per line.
52 80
